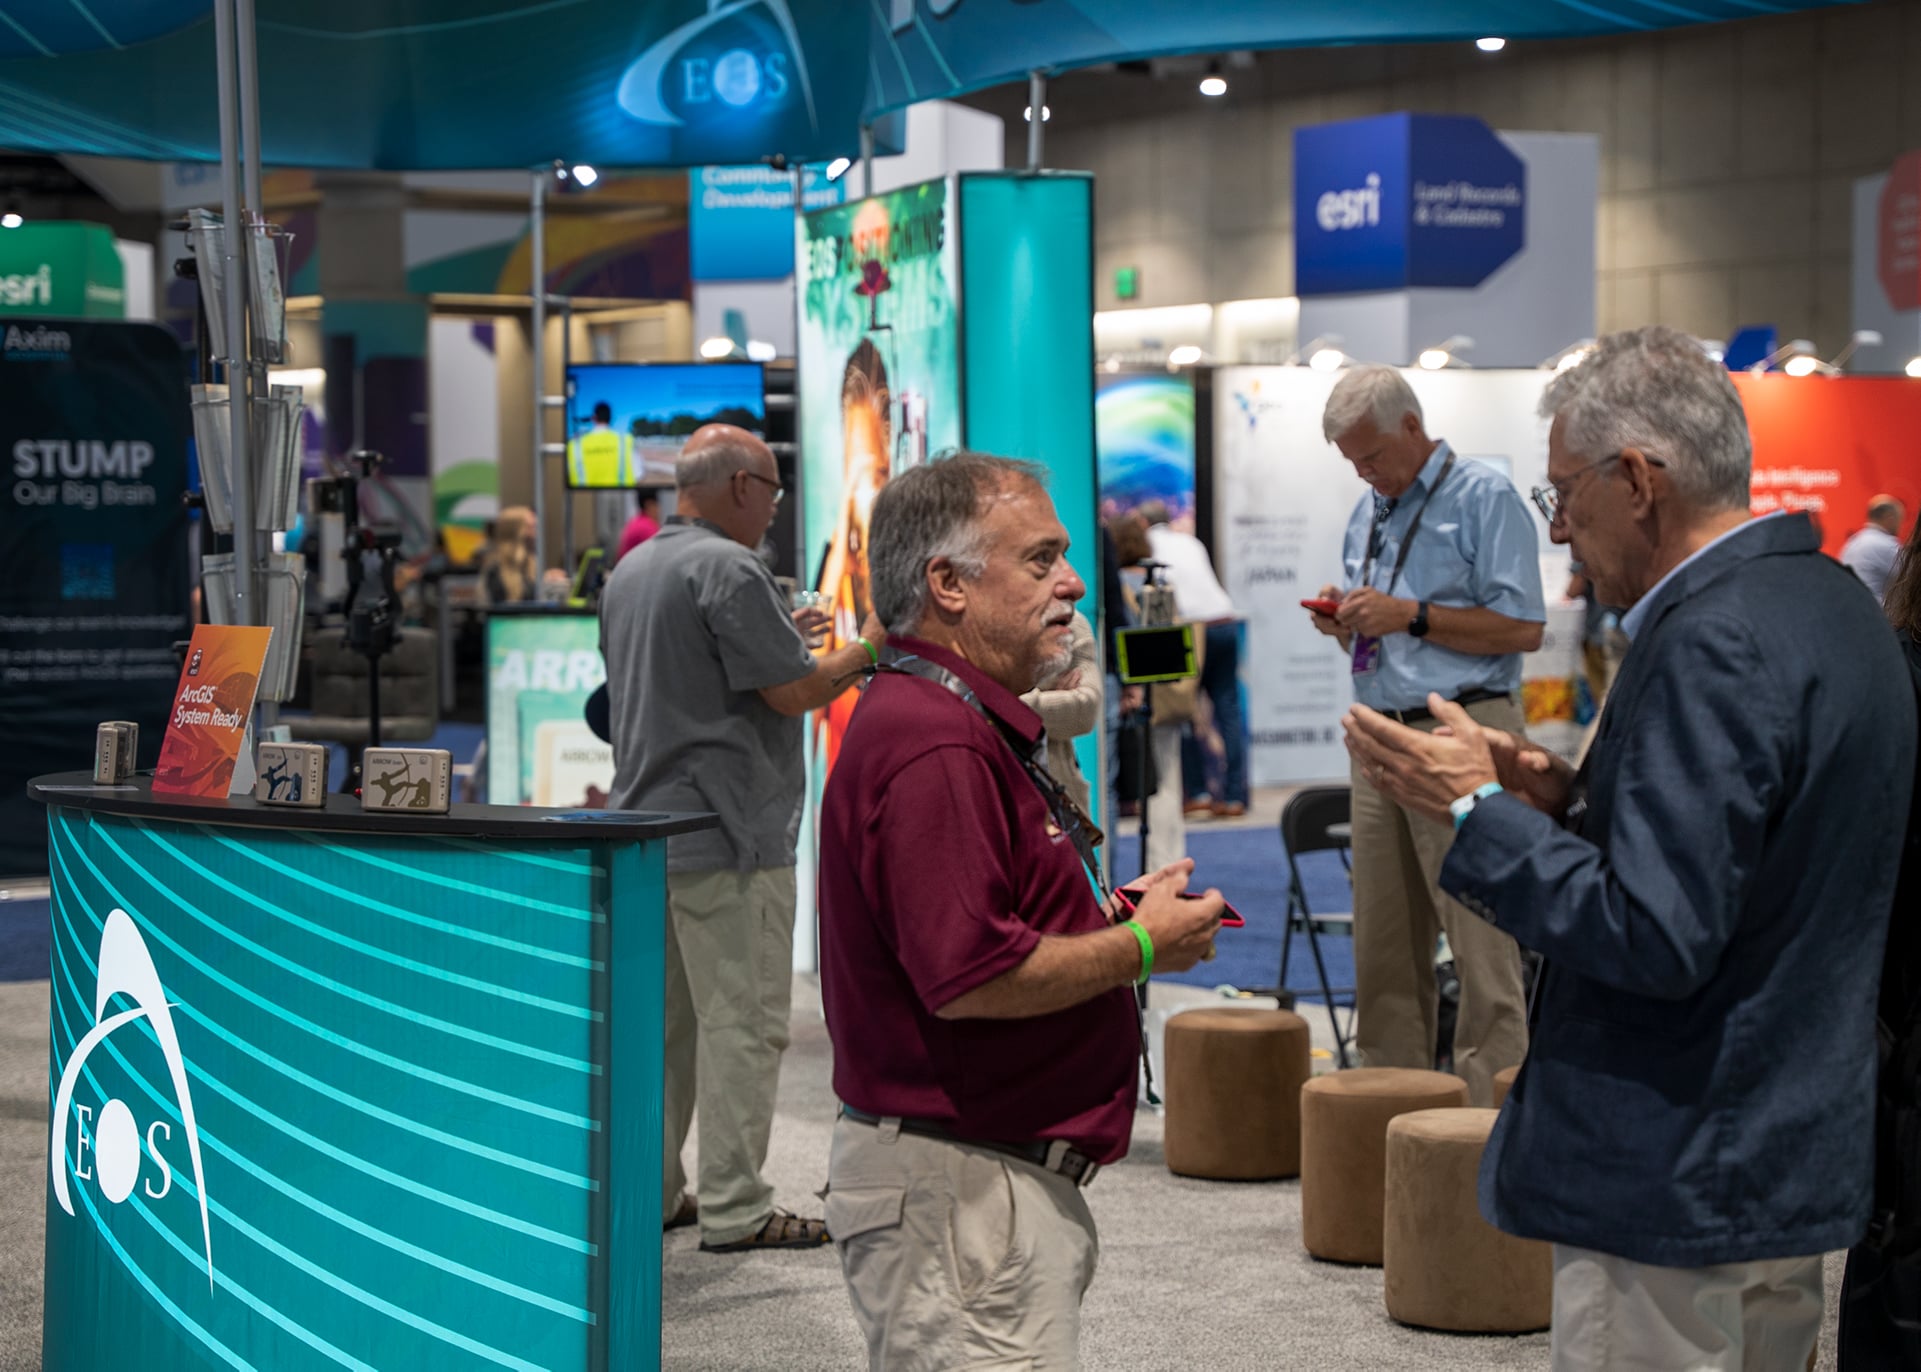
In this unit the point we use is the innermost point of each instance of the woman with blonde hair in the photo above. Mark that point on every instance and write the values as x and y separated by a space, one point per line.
507 571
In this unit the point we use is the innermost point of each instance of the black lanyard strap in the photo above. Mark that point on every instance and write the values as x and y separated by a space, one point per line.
1378 535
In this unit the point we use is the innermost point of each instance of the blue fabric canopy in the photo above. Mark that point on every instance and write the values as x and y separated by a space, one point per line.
444 84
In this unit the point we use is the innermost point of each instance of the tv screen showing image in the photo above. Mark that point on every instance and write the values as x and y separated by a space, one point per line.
626 421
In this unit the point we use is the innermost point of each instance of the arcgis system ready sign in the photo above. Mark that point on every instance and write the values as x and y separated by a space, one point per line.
1404 200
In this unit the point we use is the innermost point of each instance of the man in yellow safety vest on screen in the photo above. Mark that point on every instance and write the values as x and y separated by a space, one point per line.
601 457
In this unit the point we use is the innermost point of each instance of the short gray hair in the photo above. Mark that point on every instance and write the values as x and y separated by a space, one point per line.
1373 392
929 512
714 462
1655 389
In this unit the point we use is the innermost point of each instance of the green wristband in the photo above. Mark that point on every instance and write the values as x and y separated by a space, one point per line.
1147 952
873 656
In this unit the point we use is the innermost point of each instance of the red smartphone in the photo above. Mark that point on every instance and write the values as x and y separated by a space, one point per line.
1230 917
1321 607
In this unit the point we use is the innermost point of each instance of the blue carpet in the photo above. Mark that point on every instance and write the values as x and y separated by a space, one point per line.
25 937
1250 868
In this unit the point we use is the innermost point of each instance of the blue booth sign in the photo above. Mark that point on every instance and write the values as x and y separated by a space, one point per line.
1404 200
740 220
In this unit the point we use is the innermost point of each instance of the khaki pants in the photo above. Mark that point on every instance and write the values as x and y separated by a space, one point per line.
1612 1315
958 1257
729 975
1399 914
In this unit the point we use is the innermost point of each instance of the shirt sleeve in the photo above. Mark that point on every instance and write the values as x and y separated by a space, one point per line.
943 888
759 644
1507 559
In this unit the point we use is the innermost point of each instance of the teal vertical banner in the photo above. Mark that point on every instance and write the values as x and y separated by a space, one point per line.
1027 296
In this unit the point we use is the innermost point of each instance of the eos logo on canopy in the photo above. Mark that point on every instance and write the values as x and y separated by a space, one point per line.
741 57
113 1137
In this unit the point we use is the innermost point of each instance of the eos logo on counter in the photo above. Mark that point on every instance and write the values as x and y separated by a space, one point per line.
111 1134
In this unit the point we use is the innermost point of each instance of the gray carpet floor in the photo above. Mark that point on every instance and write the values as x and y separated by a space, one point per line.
1194 1275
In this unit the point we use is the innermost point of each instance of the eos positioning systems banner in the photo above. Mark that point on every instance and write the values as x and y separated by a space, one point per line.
1404 200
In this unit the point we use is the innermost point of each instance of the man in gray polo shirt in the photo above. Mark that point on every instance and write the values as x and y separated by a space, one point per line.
708 677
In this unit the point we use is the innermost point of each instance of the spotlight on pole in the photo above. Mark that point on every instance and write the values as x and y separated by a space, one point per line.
758 351
1914 367
584 175
838 168
1184 356
1027 113
1323 354
11 220
1213 85
1490 44
713 349
1796 357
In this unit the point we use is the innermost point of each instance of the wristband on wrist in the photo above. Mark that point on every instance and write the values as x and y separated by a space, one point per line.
1147 951
872 656
1464 806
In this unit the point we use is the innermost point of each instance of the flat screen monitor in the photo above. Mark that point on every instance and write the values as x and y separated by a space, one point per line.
627 420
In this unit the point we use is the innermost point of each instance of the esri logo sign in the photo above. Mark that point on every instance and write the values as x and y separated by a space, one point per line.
112 1136
740 59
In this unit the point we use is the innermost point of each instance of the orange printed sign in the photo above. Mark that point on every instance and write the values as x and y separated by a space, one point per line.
1827 445
208 723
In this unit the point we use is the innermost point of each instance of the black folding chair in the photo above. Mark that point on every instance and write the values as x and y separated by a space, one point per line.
1316 820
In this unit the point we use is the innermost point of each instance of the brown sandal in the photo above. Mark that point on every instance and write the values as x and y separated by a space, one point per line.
688 1212
782 1230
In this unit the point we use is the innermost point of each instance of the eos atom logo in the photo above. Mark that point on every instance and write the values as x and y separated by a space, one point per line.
675 78
111 1134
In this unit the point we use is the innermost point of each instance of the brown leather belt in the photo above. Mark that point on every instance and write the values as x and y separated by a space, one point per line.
1055 1155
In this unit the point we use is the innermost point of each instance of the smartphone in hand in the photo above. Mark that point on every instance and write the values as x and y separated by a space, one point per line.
1130 900
1321 607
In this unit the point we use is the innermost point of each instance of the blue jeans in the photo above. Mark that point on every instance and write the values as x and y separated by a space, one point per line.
1221 683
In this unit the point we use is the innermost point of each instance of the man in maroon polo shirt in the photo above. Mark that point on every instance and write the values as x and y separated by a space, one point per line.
985 1038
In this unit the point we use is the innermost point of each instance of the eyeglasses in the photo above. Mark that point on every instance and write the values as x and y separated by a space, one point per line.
780 491
1551 499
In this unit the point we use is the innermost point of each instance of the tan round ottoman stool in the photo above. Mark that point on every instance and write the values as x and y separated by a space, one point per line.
1344 1118
1503 1083
1447 1268
1233 1093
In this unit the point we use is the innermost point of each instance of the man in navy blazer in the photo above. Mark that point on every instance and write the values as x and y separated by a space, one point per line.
1692 1126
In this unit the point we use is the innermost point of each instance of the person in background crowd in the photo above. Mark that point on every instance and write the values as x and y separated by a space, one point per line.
599 456
1069 704
1723 861
1200 599
1442 594
1871 549
1881 1294
507 571
986 1041
643 526
708 677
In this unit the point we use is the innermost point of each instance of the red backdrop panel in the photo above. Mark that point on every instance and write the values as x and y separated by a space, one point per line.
1829 444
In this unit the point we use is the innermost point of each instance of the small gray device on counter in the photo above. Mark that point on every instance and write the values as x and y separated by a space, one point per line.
417 780
291 774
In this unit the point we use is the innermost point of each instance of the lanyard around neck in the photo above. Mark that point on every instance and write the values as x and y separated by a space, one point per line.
1378 534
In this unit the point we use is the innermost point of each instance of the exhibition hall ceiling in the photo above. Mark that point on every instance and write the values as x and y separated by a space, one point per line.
452 84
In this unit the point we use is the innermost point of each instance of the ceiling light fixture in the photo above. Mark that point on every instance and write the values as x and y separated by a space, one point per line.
1184 356
713 349
1569 357
584 175
1445 354
1490 44
838 168
757 351
1214 84
11 220
1914 367
1796 357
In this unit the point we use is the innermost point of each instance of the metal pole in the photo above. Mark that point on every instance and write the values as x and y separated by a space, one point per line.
537 267
1036 116
249 106
233 267
867 160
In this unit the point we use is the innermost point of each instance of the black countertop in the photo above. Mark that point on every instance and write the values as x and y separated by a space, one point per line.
342 814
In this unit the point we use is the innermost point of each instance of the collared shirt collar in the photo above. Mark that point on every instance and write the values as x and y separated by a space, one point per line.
695 522
1431 469
1637 613
995 698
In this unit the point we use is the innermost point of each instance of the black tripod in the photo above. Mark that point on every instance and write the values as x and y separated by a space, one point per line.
373 600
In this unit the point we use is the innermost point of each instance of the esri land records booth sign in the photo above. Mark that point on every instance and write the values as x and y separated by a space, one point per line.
93 550
52 267
1404 200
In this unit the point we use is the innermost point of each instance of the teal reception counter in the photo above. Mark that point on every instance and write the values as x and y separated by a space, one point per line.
336 1089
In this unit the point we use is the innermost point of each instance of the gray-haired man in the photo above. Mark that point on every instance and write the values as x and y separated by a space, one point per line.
1724 859
708 676
1441 594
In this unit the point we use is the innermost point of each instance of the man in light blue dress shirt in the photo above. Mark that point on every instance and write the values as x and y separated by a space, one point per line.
1441 592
